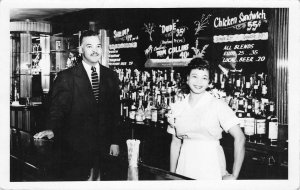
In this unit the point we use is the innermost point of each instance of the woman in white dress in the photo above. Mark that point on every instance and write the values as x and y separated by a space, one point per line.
196 124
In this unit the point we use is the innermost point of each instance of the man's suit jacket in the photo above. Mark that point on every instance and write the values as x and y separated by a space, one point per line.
74 115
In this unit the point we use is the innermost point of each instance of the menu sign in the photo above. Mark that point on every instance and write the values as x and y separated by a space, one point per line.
176 39
209 33
123 45
178 46
251 21
247 52
161 45
244 31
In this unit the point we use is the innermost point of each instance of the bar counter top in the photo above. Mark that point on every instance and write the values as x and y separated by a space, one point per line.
35 160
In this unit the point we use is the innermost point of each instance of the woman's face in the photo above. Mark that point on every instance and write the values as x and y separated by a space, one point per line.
198 81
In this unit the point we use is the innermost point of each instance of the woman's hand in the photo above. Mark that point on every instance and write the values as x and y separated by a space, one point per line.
184 136
171 119
229 177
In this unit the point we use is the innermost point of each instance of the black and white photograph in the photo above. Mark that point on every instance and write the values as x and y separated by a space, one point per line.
150 95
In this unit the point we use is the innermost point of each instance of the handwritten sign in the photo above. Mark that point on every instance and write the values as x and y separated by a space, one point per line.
250 21
244 31
246 52
177 38
208 33
122 48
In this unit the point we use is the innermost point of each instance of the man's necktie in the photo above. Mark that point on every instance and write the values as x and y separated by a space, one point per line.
95 83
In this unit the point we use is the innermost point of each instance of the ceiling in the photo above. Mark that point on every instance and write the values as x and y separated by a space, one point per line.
41 14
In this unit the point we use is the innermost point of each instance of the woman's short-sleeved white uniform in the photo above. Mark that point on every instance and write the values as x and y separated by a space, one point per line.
201 156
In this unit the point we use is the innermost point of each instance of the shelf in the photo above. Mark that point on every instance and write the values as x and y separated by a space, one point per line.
162 63
227 142
61 51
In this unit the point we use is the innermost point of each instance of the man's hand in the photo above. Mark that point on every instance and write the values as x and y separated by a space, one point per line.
114 150
229 177
47 133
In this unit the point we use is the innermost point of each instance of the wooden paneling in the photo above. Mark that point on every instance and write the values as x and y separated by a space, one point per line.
278 61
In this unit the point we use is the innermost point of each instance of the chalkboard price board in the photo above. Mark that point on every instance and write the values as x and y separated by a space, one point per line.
211 33
244 31
246 52
122 48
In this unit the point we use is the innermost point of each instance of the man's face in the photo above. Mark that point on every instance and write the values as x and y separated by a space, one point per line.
232 63
230 60
91 49
71 55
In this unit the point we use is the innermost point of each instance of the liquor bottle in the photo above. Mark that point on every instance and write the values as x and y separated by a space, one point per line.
249 124
153 76
255 93
234 101
165 111
161 110
259 85
148 110
216 82
165 76
140 113
285 158
264 91
125 111
154 112
241 114
241 102
132 111
272 126
178 80
122 103
222 81
238 84
248 89
169 95
173 82
229 88
260 124
173 94
160 85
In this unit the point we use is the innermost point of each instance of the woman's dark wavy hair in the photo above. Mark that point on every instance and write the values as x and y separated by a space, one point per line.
201 64
196 63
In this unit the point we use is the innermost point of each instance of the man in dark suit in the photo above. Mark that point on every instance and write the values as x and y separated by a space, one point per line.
84 113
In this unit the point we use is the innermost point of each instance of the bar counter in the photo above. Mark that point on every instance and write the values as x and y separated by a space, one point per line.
260 162
35 160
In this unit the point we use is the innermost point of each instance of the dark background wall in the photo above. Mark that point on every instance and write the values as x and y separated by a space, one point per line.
187 22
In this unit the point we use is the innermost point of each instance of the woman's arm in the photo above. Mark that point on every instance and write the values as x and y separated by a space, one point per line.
239 151
174 152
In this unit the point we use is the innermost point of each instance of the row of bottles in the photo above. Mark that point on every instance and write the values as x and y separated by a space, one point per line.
259 123
248 97
146 97
236 83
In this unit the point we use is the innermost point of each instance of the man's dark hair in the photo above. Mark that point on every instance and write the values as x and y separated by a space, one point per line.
86 34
